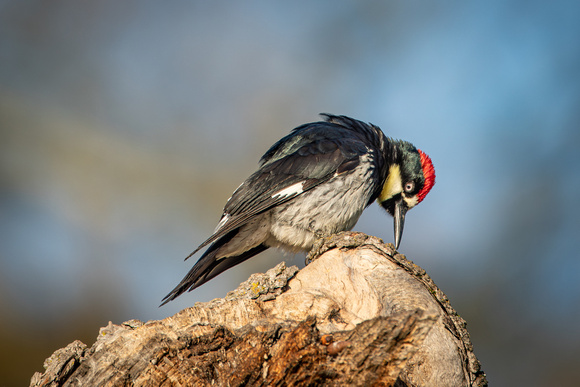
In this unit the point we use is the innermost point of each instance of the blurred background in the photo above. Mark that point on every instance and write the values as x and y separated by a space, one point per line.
125 126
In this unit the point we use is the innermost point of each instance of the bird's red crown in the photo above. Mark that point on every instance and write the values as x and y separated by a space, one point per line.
428 173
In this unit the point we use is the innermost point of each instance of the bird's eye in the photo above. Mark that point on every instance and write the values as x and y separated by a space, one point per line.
409 186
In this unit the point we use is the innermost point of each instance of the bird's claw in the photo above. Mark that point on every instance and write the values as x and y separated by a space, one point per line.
315 250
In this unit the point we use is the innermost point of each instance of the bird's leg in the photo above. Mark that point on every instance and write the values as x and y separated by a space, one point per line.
318 243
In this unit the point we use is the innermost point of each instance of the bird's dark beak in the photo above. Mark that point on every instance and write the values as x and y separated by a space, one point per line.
399 218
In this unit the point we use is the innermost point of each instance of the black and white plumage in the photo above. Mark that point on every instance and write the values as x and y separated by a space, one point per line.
315 181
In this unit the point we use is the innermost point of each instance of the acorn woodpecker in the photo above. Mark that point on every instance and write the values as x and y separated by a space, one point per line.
312 183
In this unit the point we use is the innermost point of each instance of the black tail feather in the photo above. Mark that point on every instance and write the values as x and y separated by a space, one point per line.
207 268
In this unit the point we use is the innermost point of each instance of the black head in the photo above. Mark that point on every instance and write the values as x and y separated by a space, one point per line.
410 177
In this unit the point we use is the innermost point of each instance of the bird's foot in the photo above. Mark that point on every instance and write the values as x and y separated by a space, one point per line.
315 251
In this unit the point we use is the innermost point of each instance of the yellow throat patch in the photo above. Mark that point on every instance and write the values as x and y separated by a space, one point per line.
393 185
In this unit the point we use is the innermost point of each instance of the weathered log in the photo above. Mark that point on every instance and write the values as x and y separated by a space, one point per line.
358 314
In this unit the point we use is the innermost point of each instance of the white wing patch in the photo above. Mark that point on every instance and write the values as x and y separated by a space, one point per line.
223 220
294 189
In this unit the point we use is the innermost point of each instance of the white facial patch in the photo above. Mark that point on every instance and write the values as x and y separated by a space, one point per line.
294 189
411 202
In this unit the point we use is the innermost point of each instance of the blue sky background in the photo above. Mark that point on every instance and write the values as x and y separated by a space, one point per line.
124 127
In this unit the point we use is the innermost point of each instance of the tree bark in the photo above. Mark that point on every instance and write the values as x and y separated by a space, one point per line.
359 314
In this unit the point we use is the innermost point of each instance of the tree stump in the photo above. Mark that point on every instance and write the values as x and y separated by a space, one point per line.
359 314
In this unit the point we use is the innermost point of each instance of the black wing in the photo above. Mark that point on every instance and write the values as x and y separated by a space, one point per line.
310 155
294 165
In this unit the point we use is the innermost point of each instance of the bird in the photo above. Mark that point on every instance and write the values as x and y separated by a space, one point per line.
312 183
